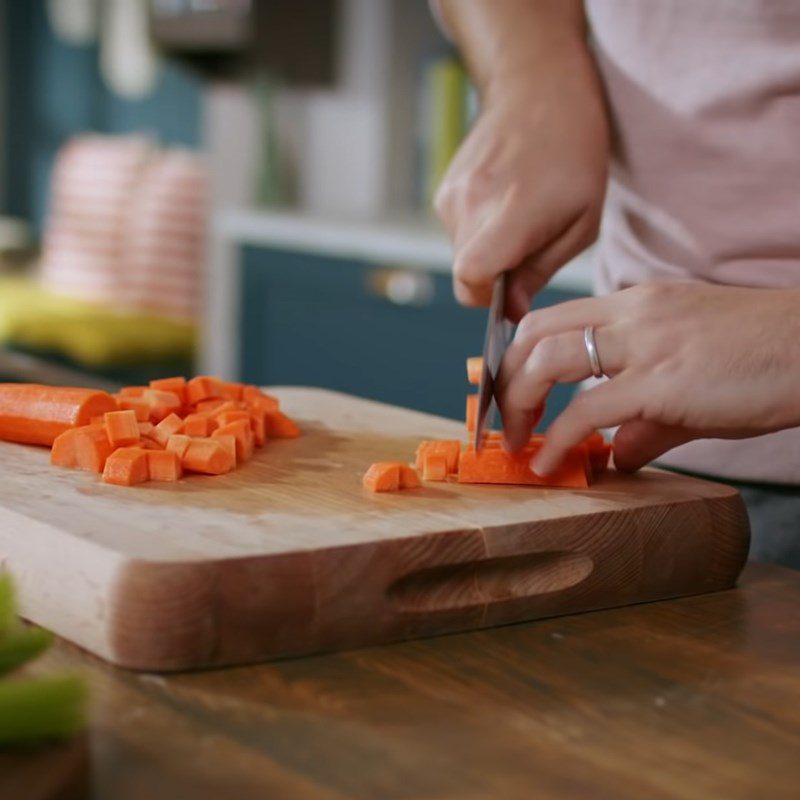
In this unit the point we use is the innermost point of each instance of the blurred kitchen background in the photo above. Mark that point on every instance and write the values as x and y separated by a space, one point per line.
234 187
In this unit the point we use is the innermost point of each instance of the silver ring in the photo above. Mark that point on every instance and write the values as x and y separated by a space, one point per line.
591 351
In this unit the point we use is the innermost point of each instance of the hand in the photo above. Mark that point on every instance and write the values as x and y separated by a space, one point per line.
525 191
685 361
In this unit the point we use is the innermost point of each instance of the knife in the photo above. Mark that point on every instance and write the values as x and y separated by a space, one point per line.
498 335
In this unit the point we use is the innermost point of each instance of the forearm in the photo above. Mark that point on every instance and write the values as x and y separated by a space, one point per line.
503 40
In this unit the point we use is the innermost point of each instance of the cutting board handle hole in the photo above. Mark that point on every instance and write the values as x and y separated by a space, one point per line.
477 583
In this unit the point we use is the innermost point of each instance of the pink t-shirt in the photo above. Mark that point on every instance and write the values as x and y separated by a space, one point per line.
705 178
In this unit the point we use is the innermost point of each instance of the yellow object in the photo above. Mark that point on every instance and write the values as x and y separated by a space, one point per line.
88 333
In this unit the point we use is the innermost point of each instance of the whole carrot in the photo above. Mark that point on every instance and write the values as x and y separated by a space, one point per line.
34 414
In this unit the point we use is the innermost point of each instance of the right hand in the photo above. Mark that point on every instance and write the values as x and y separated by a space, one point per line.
524 193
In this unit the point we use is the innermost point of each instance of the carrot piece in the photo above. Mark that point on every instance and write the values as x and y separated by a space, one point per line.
474 369
494 465
146 428
228 441
178 443
208 406
264 403
599 453
92 448
138 405
207 456
34 414
434 467
232 390
175 385
240 430
162 404
164 465
122 428
409 478
203 387
132 391
258 424
383 476
449 448
126 466
63 453
199 425
279 426
166 428
472 412
226 417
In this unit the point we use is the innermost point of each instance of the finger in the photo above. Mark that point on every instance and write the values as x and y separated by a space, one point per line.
572 315
611 403
639 442
533 274
556 359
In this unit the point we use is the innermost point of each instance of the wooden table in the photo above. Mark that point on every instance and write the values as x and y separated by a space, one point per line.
691 698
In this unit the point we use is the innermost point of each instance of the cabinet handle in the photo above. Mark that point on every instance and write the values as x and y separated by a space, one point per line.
401 287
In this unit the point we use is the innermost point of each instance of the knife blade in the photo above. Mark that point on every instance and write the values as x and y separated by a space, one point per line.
498 335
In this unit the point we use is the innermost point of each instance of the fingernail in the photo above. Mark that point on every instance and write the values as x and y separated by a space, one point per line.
540 466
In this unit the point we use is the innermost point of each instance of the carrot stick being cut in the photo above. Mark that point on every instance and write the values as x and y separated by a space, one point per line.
31 413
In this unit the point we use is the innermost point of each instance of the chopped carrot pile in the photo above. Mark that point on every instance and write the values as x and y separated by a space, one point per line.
449 460
156 432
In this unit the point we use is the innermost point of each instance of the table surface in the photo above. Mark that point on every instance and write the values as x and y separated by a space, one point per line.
690 698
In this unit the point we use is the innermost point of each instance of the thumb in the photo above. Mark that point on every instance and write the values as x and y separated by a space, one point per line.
639 442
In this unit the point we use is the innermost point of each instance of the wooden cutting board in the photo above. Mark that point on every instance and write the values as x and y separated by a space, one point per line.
289 555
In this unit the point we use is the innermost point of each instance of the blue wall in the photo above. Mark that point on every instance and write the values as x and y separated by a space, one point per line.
55 91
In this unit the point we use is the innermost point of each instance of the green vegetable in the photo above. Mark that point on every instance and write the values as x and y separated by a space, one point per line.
8 614
22 644
38 710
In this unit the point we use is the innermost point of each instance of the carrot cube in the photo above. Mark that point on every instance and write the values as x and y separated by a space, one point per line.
132 391
449 448
138 405
126 467
434 467
383 476
92 448
175 385
122 428
228 441
178 443
164 465
203 387
474 369
167 427
472 412
208 457
409 479
199 425
279 426
240 430
232 390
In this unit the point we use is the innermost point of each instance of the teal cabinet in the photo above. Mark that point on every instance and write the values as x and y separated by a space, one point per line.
318 321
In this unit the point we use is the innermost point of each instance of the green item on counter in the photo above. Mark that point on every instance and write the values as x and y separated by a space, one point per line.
8 614
21 645
38 710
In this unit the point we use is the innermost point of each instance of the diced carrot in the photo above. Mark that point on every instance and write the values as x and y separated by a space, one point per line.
126 466
434 467
250 392
240 429
164 465
162 404
264 402
132 391
175 385
279 426
383 476
208 406
409 479
146 443
228 441
232 390
146 428
258 424
472 412
203 387
63 453
178 443
138 405
167 427
92 448
122 428
474 369
449 448
224 417
34 414
494 465
199 425
599 453
207 456
98 419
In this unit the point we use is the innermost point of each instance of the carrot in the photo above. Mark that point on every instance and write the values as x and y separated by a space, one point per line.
178 443
383 476
224 417
232 390
92 448
63 453
132 391
166 428
175 385
474 369
146 428
449 448
209 406
472 412
599 453
164 465
34 414
258 424
122 428
203 387
494 465
240 430
126 466
162 404
264 402
409 479
199 425
138 405
228 441
279 426
208 457
434 467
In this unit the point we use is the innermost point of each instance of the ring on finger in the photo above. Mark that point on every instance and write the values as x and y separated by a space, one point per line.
590 343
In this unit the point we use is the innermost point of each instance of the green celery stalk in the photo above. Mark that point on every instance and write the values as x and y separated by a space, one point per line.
22 644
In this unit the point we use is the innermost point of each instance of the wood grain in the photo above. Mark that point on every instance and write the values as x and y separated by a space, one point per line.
685 699
289 555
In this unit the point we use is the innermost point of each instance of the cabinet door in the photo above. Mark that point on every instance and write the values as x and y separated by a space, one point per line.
317 321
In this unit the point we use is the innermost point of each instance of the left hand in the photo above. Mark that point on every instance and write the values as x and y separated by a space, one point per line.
685 361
